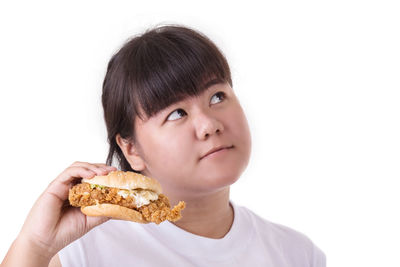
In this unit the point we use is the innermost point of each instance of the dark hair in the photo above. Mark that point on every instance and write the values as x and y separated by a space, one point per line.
151 71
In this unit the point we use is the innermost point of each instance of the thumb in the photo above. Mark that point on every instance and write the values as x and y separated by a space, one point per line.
92 221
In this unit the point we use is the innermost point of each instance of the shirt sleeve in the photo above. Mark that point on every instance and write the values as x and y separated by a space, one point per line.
72 255
319 258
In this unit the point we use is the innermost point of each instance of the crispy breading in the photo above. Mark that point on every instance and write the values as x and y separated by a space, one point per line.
157 211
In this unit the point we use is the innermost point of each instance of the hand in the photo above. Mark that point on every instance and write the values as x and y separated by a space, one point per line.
52 223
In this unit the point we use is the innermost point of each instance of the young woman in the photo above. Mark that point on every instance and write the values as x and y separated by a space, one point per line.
171 114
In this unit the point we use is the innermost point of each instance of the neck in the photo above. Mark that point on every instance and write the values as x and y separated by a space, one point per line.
207 215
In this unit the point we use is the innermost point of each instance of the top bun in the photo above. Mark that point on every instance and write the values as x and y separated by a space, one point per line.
126 180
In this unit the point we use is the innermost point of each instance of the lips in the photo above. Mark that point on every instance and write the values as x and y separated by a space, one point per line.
215 149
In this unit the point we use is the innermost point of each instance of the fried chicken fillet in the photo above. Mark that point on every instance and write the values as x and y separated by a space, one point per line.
124 193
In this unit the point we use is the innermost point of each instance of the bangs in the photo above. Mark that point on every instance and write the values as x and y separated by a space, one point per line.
168 67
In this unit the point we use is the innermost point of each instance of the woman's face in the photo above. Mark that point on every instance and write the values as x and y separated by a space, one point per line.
174 142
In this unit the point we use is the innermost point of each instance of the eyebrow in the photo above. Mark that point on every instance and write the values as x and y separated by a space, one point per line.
212 82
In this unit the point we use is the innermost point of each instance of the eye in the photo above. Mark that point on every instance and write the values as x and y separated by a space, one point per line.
176 114
218 97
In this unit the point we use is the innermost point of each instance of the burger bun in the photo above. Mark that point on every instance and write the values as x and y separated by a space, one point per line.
114 212
126 180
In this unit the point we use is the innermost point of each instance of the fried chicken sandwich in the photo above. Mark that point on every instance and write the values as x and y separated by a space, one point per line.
124 196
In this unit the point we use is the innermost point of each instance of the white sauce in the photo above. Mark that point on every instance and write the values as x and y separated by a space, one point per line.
140 198
123 194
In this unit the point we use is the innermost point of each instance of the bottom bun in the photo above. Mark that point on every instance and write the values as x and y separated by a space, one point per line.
115 212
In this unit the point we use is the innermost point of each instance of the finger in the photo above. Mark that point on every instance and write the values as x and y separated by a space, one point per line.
98 168
88 165
74 219
70 176
104 165
72 173
95 221
59 188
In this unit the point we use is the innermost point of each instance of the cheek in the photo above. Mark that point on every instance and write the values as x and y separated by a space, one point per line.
171 149
240 131
170 159
238 122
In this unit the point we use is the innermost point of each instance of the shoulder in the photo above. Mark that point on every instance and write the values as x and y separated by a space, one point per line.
275 231
288 241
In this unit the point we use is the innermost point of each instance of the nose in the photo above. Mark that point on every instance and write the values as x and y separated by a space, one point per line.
207 126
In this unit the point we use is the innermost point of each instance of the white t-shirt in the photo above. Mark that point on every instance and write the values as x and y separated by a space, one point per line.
251 241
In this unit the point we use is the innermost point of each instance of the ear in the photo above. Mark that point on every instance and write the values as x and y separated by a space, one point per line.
131 153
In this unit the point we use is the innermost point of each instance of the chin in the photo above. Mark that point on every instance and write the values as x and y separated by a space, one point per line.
217 179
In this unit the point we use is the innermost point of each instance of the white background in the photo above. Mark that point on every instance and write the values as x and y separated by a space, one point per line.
319 82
